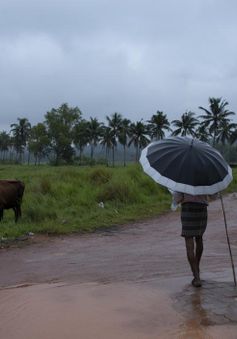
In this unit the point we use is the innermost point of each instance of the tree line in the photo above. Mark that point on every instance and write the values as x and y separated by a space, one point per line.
64 134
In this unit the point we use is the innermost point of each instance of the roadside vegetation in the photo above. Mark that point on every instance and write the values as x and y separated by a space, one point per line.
67 199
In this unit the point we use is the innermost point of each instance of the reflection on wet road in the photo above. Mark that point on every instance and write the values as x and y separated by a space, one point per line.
214 304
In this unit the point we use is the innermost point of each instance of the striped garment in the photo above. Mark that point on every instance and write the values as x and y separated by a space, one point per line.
193 219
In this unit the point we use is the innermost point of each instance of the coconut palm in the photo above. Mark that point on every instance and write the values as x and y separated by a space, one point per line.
138 137
225 132
107 141
94 132
158 124
20 132
5 141
215 115
233 137
186 125
115 124
202 133
123 137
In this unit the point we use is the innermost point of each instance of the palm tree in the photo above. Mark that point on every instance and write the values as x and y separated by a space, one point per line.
225 132
158 124
115 124
202 134
4 143
107 141
123 137
20 132
139 137
185 126
94 132
215 115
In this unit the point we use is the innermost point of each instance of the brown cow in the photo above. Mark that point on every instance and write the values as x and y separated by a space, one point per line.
11 193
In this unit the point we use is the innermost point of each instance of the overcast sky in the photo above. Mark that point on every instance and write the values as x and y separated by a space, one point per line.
104 56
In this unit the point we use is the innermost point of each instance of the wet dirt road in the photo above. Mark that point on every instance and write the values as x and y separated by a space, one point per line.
130 282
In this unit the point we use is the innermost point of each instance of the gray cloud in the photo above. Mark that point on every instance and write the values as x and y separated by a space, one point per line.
133 57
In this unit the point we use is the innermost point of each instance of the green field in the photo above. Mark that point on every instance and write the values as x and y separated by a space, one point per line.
60 200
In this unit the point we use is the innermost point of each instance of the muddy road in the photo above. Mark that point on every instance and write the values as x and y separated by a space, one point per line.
131 281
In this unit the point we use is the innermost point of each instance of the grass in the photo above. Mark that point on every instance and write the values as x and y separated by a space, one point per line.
61 200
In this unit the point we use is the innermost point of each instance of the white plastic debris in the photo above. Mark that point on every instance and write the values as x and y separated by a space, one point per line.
101 204
31 234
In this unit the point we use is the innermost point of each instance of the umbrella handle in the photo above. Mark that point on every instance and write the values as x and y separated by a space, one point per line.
228 240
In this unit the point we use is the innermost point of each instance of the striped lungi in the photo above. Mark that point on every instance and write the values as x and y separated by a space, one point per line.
193 219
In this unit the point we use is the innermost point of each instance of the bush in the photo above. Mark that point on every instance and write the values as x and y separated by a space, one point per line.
121 191
100 175
45 186
37 213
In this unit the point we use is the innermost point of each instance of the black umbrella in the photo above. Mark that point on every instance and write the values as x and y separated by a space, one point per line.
190 166
186 165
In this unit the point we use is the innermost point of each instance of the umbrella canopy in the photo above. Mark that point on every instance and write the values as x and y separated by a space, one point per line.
186 165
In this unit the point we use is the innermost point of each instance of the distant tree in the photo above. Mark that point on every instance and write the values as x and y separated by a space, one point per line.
202 133
107 141
233 138
225 132
158 124
138 137
186 125
215 116
5 143
20 132
39 142
60 124
81 136
123 136
94 132
115 124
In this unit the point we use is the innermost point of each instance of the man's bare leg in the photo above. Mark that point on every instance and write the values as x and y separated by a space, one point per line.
189 241
199 250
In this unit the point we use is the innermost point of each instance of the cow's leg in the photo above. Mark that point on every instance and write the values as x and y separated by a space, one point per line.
15 209
1 214
19 210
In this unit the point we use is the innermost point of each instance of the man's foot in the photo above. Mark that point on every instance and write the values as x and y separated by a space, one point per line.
196 282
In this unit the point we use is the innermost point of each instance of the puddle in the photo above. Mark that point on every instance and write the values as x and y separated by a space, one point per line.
118 311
